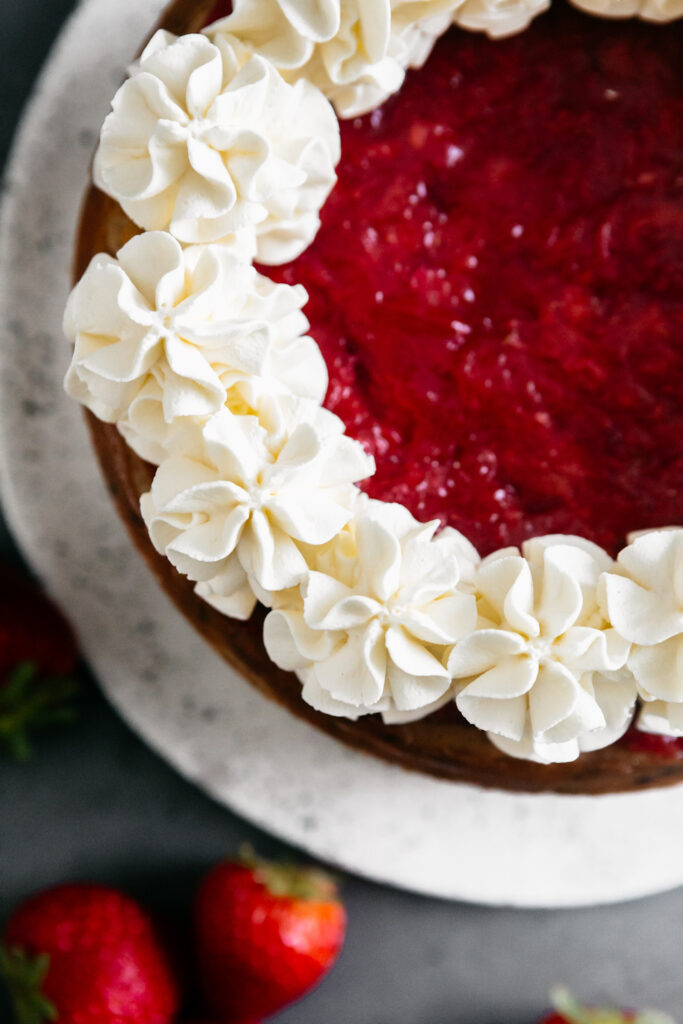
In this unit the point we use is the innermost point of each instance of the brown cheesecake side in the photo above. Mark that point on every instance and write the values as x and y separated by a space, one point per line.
443 744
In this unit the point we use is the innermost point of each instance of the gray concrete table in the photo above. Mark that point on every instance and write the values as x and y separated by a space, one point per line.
96 804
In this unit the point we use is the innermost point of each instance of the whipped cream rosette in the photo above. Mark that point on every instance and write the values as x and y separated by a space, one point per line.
499 18
354 51
540 674
643 598
239 501
163 336
375 615
211 144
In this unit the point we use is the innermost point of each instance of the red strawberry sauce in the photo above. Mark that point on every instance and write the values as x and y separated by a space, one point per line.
668 748
497 286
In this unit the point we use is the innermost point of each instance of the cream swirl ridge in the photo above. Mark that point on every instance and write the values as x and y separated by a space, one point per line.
211 144
499 18
649 10
538 672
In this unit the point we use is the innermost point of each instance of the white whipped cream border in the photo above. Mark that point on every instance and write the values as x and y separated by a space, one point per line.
357 51
545 649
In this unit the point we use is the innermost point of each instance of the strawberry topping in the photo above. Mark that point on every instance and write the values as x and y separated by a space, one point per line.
497 283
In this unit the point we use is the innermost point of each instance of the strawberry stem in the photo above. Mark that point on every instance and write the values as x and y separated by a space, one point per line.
565 1004
29 702
24 976
574 1013
290 881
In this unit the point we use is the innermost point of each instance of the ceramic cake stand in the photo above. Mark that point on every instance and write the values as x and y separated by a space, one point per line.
449 840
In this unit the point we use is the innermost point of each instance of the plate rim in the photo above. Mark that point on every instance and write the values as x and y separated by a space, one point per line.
524 892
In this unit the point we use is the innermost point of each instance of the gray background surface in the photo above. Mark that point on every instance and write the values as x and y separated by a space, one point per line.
96 804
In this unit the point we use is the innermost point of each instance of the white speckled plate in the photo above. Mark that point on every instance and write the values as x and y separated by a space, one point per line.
449 840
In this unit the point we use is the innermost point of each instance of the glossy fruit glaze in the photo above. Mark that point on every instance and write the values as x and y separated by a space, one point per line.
497 286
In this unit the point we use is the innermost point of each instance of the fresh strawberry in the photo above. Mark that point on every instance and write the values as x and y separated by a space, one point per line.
38 654
265 934
568 1011
86 954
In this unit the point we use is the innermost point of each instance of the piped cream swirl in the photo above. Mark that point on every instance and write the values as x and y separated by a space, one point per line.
375 615
211 144
537 673
165 336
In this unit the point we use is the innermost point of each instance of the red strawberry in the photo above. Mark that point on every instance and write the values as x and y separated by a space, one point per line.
32 628
86 954
38 653
265 935
569 1011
